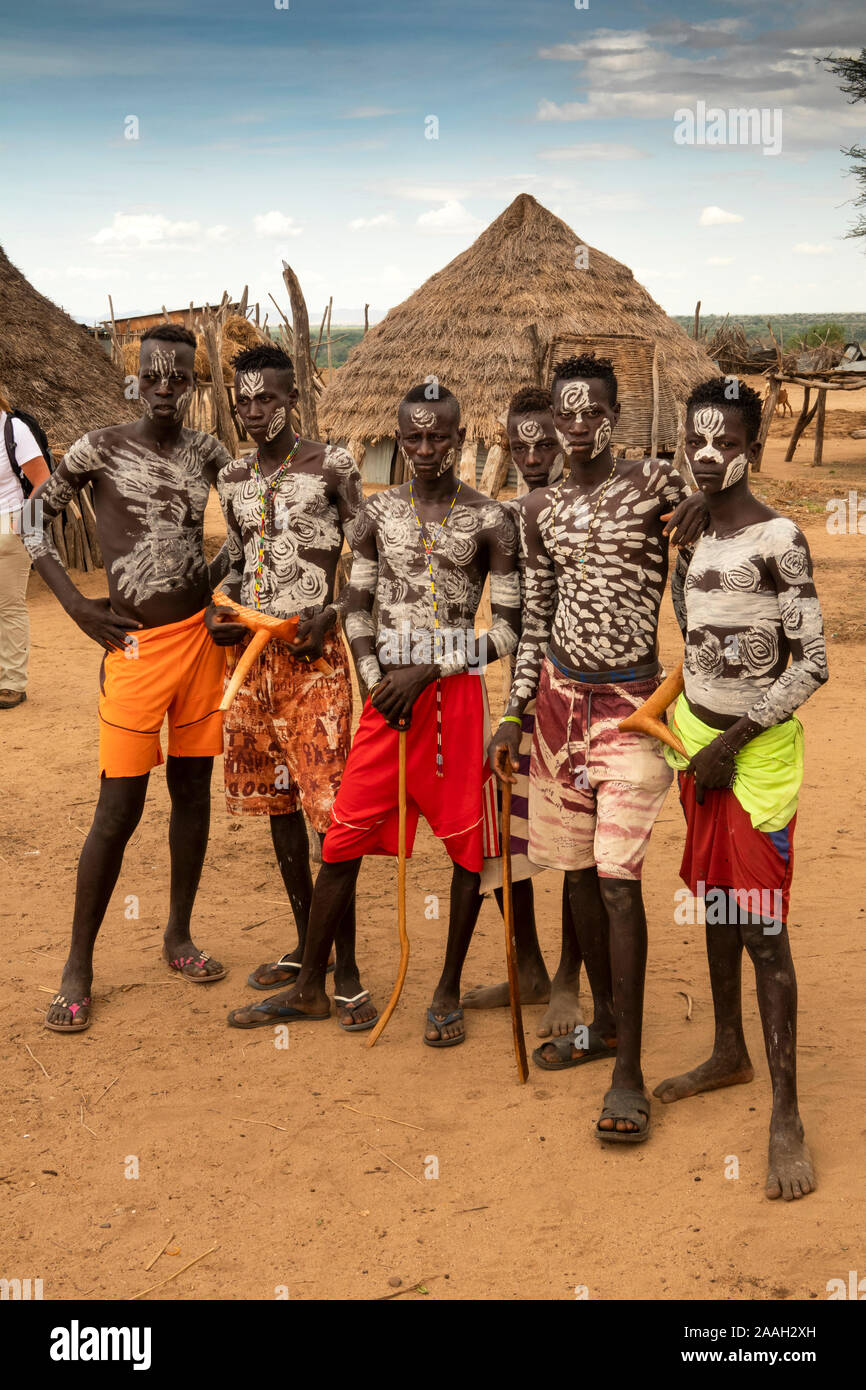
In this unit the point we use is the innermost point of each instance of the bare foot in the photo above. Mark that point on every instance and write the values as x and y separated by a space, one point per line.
563 1014
790 1173
709 1076
533 990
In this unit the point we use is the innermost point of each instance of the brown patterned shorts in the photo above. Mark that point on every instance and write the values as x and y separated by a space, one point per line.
287 734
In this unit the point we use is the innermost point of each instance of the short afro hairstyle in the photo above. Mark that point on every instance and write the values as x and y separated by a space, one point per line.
256 359
170 333
420 395
729 393
531 400
588 367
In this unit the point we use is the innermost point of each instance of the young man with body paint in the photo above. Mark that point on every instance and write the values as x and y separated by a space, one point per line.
595 569
423 550
537 455
755 652
151 482
288 508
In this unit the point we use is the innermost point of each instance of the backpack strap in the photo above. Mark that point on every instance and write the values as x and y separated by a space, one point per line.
9 441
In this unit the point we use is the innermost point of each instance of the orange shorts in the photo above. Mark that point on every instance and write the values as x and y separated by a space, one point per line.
176 670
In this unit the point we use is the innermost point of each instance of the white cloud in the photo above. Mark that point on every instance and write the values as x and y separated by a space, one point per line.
145 230
382 219
219 233
275 224
368 113
719 260
717 217
593 150
452 218
810 248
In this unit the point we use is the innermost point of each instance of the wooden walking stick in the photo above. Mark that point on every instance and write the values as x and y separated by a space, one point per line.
510 949
648 719
263 627
401 892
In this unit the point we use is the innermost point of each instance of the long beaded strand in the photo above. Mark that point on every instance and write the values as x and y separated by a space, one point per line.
428 554
267 488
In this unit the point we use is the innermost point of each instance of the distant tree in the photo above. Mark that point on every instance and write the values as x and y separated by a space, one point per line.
819 334
852 71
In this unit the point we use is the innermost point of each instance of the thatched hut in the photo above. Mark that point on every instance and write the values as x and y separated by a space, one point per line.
526 294
53 367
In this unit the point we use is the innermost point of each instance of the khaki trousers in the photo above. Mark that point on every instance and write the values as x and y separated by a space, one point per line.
14 621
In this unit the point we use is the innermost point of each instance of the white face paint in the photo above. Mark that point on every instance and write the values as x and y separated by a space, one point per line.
602 439
710 422
163 363
250 384
422 419
278 420
735 471
574 399
530 431
183 404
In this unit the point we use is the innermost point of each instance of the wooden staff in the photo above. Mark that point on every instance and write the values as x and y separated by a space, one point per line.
648 719
401 892
510 948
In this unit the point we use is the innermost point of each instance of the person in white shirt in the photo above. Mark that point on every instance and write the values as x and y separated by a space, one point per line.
14 560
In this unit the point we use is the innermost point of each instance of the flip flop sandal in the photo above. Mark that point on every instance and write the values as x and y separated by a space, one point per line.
280 964
281 1013
597 1048
73 1005
620 1103
439 1023
180 963
350 1005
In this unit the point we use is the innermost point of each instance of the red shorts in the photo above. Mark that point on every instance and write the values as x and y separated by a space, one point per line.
364 817
724 850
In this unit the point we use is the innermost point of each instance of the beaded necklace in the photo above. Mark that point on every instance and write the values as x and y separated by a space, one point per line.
267 489
428 555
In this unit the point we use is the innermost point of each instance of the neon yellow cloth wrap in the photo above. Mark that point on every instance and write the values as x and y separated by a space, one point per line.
769 768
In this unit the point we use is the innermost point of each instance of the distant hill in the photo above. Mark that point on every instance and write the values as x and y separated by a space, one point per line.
755 325
344 336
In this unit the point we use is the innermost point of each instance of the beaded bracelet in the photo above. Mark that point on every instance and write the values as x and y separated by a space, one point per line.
724 742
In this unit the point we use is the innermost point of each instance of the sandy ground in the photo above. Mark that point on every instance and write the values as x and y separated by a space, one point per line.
302 1171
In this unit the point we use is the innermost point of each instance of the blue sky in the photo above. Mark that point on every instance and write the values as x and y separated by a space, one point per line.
301 133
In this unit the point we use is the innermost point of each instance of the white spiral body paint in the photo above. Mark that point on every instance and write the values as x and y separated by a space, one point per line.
278 420
530 431
183 405
710 422
602 439
574 399
735 471
250 384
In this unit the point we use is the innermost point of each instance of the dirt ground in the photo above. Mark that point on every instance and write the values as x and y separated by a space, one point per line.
301 1172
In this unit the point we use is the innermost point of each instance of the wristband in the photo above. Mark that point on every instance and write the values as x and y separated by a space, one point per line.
510 719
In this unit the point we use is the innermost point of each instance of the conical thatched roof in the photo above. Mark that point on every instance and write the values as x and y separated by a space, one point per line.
52 367
498 317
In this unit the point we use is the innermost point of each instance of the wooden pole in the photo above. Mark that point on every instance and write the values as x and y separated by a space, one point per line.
818 455
804 419
401 889
468 456
697 320
510 943
303 363
225 429
116 354
495 471
319 339
330 310
766 420
366 318
654 427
